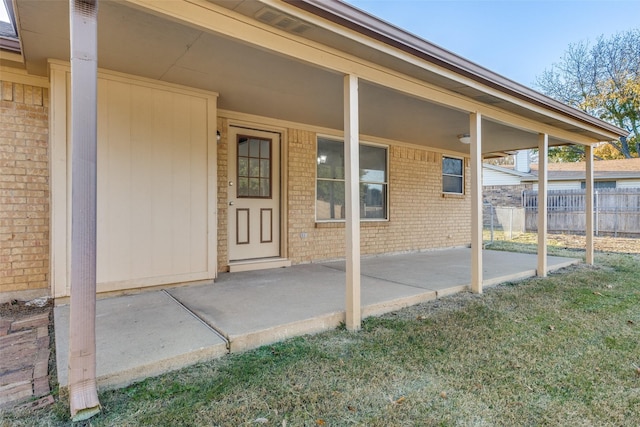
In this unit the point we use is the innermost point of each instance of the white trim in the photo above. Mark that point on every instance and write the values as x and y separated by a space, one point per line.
543 181
212 187
55 64
338 139
589 187
247 121
16 75
59 182
11 56
353 309
464 175
475 131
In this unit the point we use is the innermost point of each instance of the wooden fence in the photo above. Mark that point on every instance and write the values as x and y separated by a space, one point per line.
616 211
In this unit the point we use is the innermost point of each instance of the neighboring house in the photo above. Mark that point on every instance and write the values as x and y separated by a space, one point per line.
502 186
494 175
622 173
221 128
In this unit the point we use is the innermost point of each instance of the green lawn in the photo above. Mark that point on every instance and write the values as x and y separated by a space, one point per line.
560 351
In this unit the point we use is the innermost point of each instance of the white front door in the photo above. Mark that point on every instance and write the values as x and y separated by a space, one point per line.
254 194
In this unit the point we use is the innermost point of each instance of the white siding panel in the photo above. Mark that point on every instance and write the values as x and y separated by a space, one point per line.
628 183
152 185
141 181
564 185
560 185
493 177
198 165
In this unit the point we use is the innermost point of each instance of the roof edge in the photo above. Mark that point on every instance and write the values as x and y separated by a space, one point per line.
598 176
369 25
507 170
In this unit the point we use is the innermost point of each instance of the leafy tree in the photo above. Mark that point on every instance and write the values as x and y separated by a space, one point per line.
605 151
566 153
603 80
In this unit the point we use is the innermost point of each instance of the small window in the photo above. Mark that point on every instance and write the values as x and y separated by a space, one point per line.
452 175
330 184
598 185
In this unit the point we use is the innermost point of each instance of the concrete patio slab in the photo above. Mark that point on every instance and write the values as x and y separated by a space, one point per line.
445 270
138 336
153 332
254 308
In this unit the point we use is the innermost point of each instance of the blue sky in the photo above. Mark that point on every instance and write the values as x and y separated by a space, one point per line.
3 12
518 39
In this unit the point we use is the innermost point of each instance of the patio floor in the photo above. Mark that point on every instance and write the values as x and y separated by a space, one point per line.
153 332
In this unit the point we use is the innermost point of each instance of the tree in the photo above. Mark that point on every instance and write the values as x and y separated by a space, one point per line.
604 81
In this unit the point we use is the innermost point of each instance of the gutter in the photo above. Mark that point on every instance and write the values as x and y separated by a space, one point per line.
350 17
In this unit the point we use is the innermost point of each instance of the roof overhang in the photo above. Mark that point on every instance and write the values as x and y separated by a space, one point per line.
286 60
462 69
509 171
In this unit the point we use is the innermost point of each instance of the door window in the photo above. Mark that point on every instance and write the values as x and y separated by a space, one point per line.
254 167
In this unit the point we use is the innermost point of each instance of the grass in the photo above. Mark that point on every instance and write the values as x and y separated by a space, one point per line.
557 351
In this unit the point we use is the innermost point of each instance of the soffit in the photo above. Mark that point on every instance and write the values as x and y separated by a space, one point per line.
254 80
496 90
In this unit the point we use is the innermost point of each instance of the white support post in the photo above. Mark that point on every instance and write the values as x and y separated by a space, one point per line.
475 132
543 153
83 395
352 198
588 208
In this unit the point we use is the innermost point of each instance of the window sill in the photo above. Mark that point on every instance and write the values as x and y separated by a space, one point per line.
453 196
341 224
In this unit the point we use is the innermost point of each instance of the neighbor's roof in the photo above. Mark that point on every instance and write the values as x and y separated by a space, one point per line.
6 30
602 169
620 165
355 19
8 34
507 170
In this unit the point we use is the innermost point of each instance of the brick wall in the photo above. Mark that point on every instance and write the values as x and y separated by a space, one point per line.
301 164
223 188
24 189
420 217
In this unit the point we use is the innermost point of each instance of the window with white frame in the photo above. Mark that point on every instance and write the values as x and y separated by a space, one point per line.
330 181
452 175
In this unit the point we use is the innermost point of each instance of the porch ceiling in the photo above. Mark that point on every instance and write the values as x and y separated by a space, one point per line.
253 80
